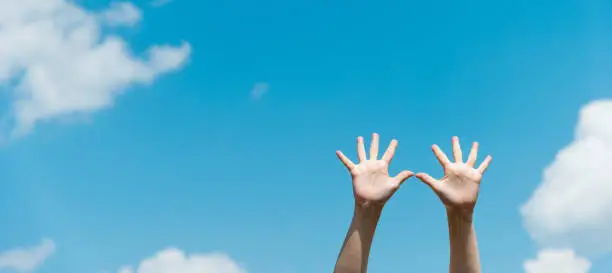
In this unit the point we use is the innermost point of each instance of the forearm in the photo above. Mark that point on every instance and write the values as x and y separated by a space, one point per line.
463 246
353 257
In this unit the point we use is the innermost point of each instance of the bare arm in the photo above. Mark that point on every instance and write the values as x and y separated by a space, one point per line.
372 188
353 257
458 191
463 247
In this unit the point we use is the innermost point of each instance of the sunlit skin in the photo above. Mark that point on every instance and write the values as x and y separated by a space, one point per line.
458 190
372 188
371 180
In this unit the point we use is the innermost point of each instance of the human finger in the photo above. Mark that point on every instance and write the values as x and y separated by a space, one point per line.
457 154
374 147
402 176
361 154
428 180
390 152
347 162
473 155
440 155
485 164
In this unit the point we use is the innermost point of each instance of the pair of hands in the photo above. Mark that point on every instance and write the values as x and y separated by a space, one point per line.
458 189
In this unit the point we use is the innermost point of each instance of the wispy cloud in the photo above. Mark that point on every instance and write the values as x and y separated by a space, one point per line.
259 89
26 259
159 3
121 14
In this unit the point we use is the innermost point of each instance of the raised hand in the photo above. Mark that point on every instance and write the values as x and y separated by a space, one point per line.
371 180
459 187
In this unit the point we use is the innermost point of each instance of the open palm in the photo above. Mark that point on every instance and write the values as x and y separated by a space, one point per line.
461 182
371 180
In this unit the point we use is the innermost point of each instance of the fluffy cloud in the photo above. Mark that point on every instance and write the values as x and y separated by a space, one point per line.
572 207
557 261
122 13
176 261
56 60
26 259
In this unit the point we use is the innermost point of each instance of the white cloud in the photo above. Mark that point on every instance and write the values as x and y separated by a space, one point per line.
572 207
557 261
159 3
176 261
122 13
56 61
259 89
26 259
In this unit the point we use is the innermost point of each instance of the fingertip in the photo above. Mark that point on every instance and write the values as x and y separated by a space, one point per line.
407 173
403 176
423 177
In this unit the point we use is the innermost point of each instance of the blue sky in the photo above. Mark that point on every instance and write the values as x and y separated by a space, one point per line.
194 161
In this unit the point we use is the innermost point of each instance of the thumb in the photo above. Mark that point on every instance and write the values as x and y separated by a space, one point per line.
427 179
402 176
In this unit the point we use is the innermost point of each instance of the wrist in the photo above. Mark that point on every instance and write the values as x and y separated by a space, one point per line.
367 212
368 207
459 215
